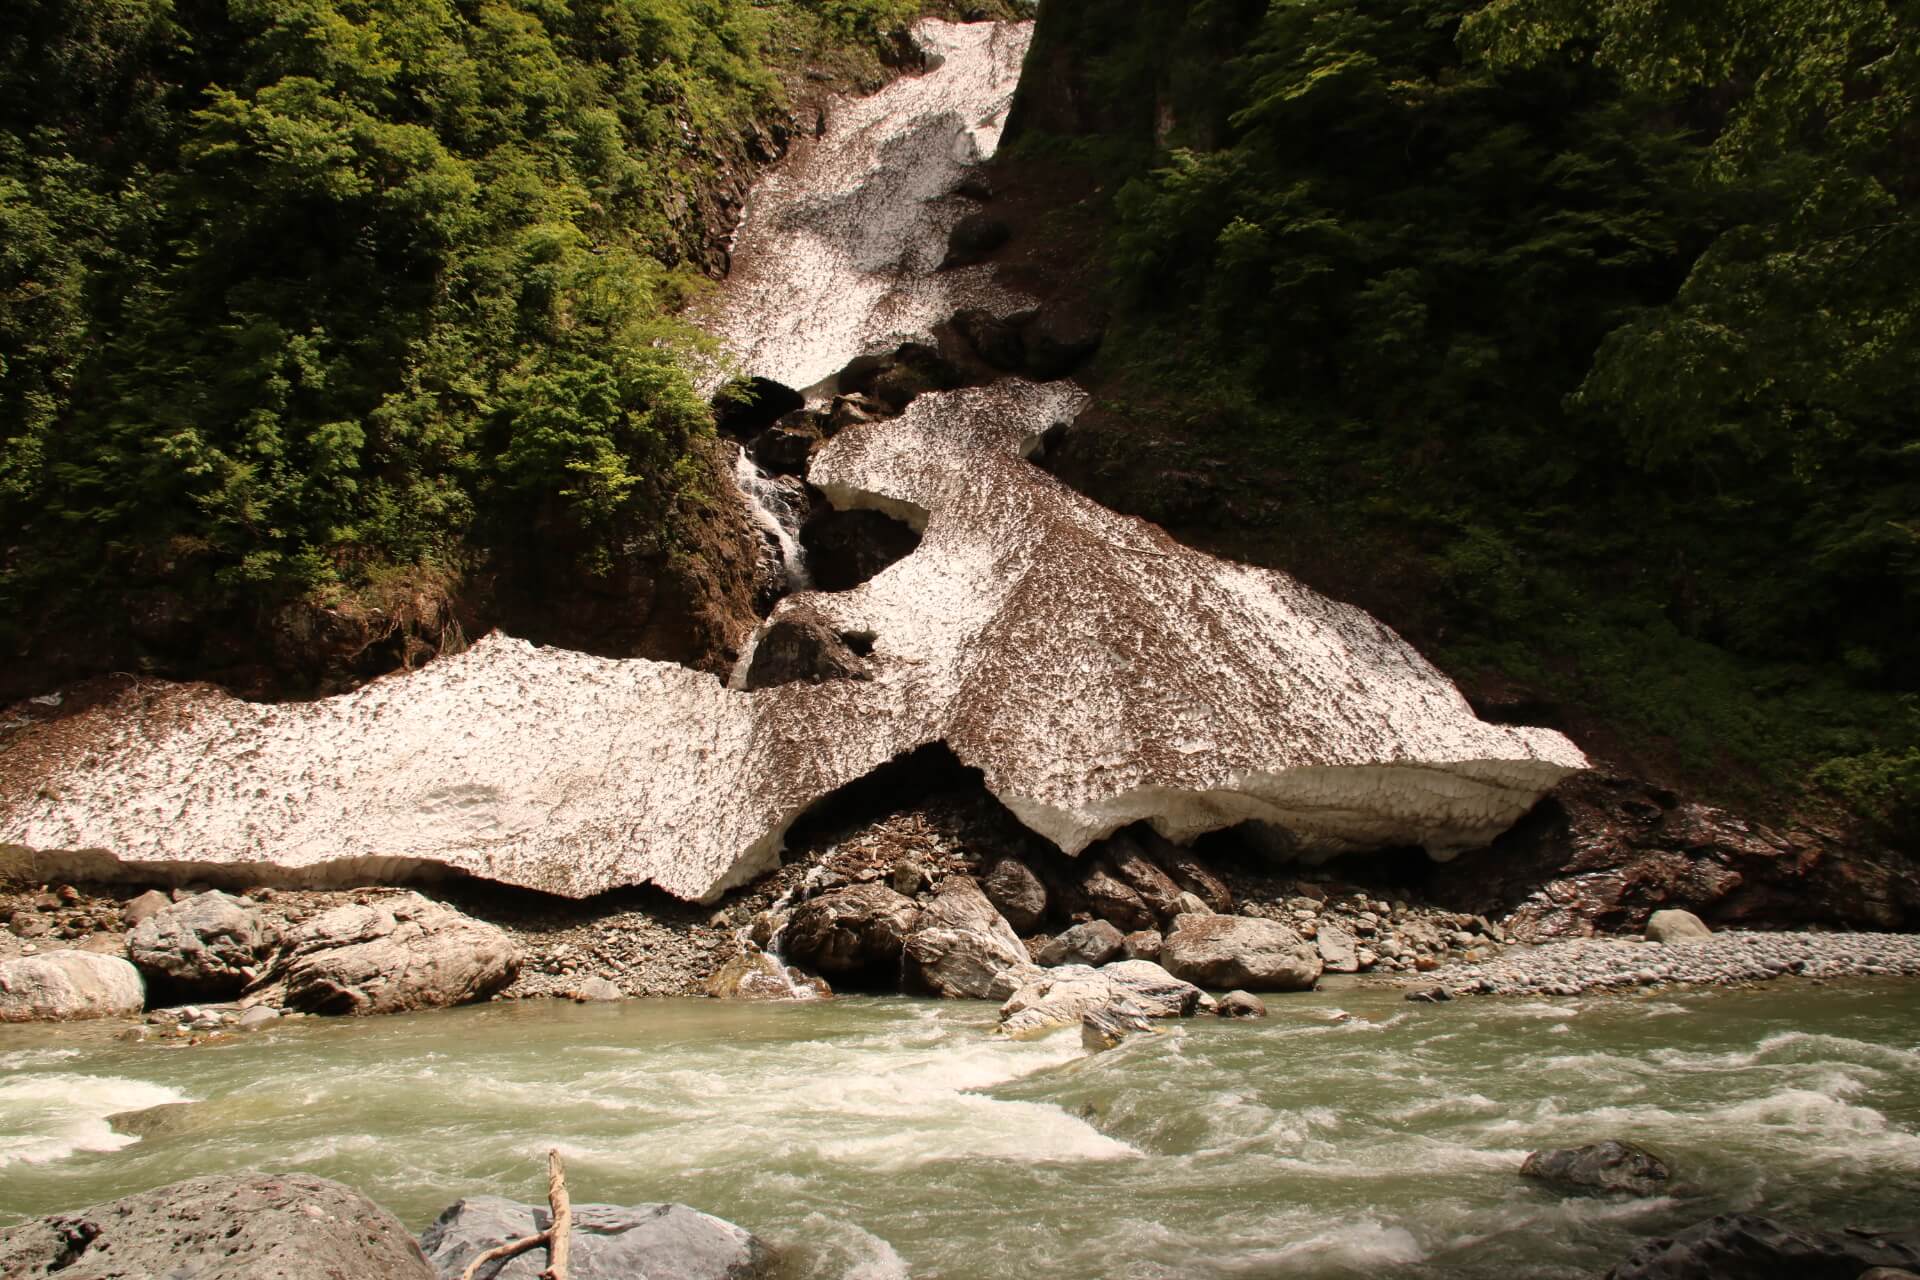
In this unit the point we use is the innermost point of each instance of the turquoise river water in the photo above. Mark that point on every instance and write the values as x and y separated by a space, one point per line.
1351 1134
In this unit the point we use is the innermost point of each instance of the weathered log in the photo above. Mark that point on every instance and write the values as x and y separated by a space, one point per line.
500 1253
560 1234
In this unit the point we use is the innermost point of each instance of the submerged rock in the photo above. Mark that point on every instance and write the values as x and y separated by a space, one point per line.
1602 1166
1240 1004
207 947
64 986
1223 952
253 1226
1745 1247
609 1242
391 955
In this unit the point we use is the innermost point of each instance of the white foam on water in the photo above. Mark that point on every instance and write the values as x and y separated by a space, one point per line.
1359 1246
50 1117
829 1248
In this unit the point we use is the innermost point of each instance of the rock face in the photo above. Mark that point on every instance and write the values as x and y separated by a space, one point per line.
855 934
1676 926
389 956
1223 952
243 1227
1602 1166
960 943
1744 1247
1094 670
63 986
609 1242
206 947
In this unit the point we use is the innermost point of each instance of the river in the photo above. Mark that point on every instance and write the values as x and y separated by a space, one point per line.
1351 1134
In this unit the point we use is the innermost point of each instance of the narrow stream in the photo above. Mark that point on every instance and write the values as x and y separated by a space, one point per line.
887 1137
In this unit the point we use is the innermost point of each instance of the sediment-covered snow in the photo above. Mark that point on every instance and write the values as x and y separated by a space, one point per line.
1094 670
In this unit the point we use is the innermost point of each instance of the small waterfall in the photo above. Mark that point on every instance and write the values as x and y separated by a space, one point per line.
773 953
777 509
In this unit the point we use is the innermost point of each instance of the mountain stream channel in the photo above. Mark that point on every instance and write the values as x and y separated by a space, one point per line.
1349 1134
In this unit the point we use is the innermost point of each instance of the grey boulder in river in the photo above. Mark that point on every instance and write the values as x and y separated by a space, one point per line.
65 985
389 955
609 1242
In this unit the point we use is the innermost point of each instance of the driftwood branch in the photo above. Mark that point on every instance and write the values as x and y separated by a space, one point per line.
560 1234
558 1237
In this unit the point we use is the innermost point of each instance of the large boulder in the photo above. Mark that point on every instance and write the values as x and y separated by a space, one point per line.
1601 1166
1338 951
1223 952
252 1226
1138 872
389 955
608 1242
1093 943
1127 989
1112 899
961 942
207 947
755 975
1017 893
62 986
1195 877
1744 1247
855 934
802 649
1676 926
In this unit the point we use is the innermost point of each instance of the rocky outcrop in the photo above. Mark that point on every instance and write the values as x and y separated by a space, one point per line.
1601 854
207 947
252 1226
961 943
1746 1247
608 1242
1602 1166
1125 990
64 986
853 935
1223 952
755 975
799 649
389 955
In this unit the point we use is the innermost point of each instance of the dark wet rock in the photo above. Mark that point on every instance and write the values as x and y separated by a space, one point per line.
851 411
1223 952
1240 1004
207 947
750 408
1746 1247
1092 943
1110 898
755 975
960 943
1142 944
67 986
893 380
855 933
389 955
1018 894
802 650
1601 1166
973 238
975 187
252 1226
1106 1027
1674 925
847 548
1057 340
784 448
609 1242
994 340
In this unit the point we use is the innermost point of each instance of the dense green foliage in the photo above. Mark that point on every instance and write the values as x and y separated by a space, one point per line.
295 291
1610 310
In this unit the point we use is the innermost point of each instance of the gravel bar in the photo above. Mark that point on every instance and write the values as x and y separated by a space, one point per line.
1598 964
